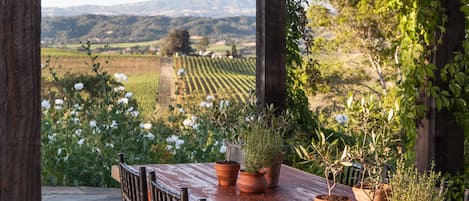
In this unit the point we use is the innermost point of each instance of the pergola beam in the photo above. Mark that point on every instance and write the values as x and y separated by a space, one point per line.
270 51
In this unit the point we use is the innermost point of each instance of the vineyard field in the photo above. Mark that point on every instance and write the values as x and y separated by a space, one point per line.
219 77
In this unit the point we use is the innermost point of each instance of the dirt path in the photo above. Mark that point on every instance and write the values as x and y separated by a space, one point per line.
166 86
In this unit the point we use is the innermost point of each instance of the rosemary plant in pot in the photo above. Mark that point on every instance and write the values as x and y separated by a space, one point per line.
333 155
261 146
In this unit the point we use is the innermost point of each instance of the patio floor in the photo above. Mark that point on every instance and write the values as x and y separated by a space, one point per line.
60 193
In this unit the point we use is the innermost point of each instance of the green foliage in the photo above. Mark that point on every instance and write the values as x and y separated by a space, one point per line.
409 185
375 131
263 138
86 121
177 41
330 152
297 100
418 21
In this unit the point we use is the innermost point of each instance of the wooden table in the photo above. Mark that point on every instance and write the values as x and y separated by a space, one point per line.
202 182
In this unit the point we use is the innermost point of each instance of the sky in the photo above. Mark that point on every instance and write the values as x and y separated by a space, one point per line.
68 3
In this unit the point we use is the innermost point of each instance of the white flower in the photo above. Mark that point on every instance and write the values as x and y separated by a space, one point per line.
223 149
119 88
169 147
210 98
224 104
78 132
59 151
114 124
195 126
128 94
93 123
74 113
147 126
80 142
188 122
194 118
181 72
150 136
75 120
124 101
203 104
59 101
134 113
51 137
77 107
181 110
45 104
209 105
120 77
341 118
179 142
78 86
250 118
58 107
171 139
109 145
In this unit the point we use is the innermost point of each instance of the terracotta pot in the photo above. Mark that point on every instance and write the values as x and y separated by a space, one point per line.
365 192
252 183
272 173
227 172
331 198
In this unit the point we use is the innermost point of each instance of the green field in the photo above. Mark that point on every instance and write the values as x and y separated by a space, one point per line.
220 77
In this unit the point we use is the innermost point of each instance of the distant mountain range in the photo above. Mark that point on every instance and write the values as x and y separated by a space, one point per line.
172 8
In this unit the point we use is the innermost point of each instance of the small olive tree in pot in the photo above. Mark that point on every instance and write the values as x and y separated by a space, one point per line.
330 152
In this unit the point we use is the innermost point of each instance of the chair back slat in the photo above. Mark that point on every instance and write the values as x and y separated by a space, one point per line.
349 176
133 183
160 193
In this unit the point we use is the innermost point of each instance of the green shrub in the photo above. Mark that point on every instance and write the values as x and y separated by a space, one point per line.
409 185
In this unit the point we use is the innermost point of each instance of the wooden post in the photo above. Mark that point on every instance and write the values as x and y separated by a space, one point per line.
440 137
20 113
270 50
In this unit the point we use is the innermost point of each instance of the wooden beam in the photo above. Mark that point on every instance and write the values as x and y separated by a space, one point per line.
20 114
270 51
440 138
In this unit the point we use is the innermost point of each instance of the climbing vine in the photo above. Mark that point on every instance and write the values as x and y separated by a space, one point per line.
419 20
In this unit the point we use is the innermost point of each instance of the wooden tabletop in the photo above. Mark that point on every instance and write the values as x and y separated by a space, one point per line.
202 182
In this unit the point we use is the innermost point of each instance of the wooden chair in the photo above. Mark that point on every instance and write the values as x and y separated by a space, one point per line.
133 183
159 193
350 175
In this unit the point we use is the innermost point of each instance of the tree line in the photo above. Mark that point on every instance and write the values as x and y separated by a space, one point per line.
140 28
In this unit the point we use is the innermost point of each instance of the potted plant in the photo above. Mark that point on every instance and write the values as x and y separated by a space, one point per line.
260 148
408 184
330 153
375 134
226 118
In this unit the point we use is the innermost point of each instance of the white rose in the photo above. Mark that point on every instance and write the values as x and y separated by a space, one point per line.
147 126
78 86
124 101
45 104
59 101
